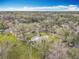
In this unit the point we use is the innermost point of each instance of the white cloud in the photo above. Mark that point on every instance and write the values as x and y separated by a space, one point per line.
50 8
72 8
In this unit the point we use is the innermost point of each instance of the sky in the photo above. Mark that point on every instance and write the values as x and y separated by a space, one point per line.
39 5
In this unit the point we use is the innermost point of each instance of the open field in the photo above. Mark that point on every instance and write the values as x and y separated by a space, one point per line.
39 35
